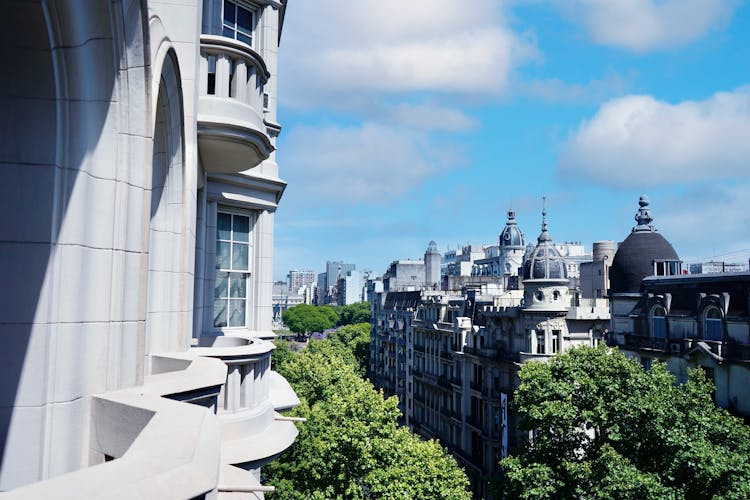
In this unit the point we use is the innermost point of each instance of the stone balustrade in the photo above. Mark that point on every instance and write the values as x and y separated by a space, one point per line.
232 134
231 69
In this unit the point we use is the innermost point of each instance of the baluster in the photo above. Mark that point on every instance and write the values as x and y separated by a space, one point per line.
233 388
239 81
204 74
223 68
251 91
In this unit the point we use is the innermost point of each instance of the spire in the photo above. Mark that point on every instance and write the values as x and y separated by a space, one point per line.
511 216
544 236
643 217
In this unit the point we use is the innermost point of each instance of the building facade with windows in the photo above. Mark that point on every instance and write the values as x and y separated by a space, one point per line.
139 154
687 321
453 357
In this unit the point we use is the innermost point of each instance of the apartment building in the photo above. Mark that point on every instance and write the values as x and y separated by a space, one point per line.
452 358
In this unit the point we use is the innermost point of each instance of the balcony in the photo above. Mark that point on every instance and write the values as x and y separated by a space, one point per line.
252 432
232 135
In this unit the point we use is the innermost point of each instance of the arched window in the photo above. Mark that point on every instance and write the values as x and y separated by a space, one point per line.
658 322
712 325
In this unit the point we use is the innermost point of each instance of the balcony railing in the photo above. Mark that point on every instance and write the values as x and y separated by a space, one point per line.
232 135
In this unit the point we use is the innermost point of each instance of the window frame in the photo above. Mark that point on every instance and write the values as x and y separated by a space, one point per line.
247 272
252 9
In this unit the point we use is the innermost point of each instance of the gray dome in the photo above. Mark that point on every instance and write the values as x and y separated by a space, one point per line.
432 247
511 235
634 259
545 261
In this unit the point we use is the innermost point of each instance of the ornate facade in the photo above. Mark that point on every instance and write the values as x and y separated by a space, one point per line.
452 358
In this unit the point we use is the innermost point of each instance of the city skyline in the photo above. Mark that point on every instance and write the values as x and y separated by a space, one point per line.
427 121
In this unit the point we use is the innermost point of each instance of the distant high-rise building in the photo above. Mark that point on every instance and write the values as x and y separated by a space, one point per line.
297 279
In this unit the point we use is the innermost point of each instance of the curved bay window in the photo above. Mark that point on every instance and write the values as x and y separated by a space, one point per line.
712 325
658 322
232 270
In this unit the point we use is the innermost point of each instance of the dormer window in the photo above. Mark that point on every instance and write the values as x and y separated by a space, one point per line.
667 268
238 21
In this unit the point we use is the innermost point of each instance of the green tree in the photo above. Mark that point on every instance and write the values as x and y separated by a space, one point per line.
354 313
606 428
351 446
304 318
353 343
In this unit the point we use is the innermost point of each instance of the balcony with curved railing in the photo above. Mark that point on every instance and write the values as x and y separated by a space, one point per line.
252 430
232 135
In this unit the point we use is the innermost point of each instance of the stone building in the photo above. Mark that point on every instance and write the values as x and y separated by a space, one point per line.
687 321
138 153
452 358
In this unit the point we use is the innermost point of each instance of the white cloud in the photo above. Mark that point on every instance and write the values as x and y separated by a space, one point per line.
643 25
369 163
639 141
392 46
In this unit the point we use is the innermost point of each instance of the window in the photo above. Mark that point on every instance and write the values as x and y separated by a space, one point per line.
232 270
238 22
658 323
540 343
712 327
555 341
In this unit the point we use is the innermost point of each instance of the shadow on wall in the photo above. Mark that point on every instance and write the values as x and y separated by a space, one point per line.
52 120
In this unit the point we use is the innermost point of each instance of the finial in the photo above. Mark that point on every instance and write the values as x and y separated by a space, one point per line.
544 236
643 217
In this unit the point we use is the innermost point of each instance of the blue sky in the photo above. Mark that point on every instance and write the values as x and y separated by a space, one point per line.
406 122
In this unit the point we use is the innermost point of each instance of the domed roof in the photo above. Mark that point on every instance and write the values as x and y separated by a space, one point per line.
432 247
545 261
511 235
634 259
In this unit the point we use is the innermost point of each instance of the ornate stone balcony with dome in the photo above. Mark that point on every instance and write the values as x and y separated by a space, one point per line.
139 160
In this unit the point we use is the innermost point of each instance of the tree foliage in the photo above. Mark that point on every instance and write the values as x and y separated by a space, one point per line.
304 318
353 345
351 446
353 313
606 428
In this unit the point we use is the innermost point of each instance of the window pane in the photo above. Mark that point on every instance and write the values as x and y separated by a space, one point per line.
229 12
223 226
220 313
222 255
237 286
241 226
713 330
659 327
237 312
244 38
228 32
244 20
240 256
222 285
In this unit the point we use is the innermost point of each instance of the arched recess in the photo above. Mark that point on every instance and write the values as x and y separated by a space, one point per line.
713 324
167 307
658 322
71 236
